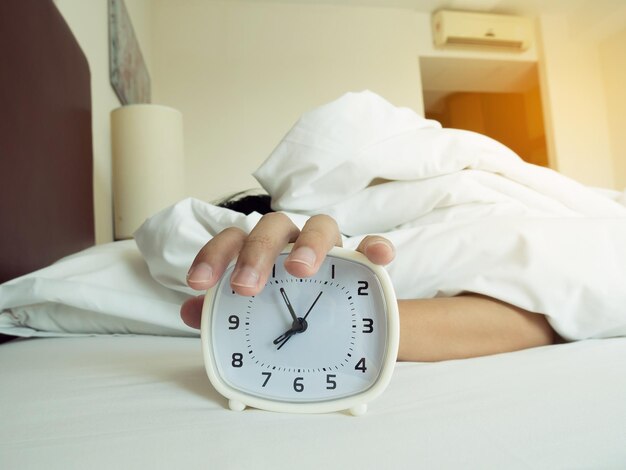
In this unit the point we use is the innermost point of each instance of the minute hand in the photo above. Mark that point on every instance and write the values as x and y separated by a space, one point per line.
313 305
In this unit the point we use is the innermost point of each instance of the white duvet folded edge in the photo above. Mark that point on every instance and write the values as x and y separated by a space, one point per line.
106 289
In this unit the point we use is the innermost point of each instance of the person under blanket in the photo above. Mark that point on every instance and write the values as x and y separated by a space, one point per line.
493 254
430 329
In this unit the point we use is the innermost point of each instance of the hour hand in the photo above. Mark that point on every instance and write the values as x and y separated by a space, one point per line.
284 336
289 307
298 326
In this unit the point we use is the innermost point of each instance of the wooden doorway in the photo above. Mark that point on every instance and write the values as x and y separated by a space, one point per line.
502 101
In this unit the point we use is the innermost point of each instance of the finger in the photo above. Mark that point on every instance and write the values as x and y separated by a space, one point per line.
191 311
259 252
317 237
378 249
214 257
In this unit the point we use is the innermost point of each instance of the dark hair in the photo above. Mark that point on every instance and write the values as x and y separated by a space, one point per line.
246 203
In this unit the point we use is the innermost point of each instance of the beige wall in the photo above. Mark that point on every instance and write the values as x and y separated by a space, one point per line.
574 104
242 73
613 59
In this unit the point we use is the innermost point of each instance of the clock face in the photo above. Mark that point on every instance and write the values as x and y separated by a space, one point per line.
302 340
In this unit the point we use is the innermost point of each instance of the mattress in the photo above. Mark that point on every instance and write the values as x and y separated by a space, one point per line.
145 402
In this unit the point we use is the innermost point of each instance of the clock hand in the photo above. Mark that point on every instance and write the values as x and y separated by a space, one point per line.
313 305
297 327
282 339
297 324
289 307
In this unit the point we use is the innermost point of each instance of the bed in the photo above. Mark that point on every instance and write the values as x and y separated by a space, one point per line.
103 373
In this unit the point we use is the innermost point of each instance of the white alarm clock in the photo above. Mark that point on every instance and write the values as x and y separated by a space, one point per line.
308 345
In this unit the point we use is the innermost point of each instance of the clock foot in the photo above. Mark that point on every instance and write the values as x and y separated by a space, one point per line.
358 410
236 405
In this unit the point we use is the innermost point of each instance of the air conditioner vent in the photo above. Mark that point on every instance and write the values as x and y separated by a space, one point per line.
454 28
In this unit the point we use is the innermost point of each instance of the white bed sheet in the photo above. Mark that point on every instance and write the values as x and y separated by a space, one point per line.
145 402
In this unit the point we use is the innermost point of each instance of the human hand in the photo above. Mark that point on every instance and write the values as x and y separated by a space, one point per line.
257 251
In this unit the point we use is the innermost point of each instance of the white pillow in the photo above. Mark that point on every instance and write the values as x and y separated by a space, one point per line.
106 289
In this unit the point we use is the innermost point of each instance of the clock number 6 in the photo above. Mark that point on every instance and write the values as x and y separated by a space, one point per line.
298 386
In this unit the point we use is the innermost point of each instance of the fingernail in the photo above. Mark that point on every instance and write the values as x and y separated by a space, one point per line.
378 242
303 255
200 273
245 277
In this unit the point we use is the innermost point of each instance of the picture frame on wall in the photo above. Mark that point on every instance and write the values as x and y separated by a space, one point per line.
128 71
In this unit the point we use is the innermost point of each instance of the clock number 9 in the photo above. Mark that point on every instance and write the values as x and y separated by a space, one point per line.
234 321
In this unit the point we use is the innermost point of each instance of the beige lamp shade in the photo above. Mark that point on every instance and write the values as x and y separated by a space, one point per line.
148 163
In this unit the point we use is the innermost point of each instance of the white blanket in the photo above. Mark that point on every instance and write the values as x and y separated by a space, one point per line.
465 213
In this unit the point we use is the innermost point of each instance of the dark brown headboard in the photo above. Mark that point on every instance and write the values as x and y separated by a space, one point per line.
46 201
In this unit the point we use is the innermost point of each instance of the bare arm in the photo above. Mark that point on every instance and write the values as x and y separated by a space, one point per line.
430 329
467 326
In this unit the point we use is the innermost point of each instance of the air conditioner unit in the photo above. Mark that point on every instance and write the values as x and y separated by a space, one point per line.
481 29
